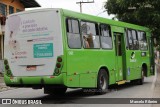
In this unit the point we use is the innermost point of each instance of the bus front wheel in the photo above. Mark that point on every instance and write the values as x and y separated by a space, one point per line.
102 82
141 80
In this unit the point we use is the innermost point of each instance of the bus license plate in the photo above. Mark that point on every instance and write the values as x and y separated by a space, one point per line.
31 68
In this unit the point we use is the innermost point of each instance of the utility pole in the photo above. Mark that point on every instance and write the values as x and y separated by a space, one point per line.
81 2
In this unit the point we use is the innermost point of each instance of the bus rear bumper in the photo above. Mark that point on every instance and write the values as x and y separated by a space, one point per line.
39 81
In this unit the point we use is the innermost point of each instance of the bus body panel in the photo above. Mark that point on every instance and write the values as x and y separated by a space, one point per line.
83 66
33 42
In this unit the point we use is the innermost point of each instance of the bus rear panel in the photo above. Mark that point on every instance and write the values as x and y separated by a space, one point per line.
33 43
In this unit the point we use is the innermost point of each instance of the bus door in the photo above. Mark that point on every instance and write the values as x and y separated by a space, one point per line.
119 56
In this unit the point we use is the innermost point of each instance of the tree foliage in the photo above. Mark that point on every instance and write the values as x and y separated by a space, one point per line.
140 12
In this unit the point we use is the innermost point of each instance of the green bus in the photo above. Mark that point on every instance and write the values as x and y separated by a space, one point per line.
56 49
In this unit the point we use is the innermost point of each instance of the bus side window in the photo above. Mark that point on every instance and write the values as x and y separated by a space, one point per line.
142 40
135 40
73 33
106 39
130 39
90 34
126 40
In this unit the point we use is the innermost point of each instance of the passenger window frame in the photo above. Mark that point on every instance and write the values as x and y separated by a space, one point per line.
146 41
67 31
130 39
102 35
83 35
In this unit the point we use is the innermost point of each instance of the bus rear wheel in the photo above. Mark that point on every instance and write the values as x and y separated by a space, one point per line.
55 90
102 82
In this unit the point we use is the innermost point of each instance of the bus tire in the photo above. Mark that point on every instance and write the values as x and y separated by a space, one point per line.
141 80
55 90
102 82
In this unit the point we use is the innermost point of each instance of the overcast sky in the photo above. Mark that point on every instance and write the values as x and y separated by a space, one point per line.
96 8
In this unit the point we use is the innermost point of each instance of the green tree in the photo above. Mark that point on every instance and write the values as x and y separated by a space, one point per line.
140 12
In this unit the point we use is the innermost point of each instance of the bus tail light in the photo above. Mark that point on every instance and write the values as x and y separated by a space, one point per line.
57 71
7 68
59 59
9 72
59 65
5 62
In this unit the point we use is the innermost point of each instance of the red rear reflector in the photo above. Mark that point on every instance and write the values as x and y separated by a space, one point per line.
51 76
